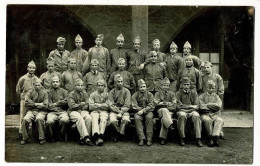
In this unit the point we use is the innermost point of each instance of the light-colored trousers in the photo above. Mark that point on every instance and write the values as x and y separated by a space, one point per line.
99 122
166 120
192 118
53 117
23 111
125 119
148 124
83 122
213 124
39 118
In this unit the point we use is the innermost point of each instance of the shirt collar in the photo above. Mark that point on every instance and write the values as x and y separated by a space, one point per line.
30 75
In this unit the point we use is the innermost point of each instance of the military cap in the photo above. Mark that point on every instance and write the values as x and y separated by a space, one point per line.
101 36
118 77
165 81
101 81
55 78
141 82
156 41
94 61
137 39
173 45
61 40
50 60
189 57
72 58
187 45
211 83
122 60
207 63
31 64
120 37
185 80
78 38
152 53
38 80
78 81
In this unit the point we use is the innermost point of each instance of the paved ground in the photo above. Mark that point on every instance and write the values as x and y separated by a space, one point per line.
237 149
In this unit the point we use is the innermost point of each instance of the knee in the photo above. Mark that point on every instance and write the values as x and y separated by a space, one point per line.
39 120
182 116
64 120
50 122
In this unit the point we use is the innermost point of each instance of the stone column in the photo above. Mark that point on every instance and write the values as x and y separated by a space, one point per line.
140 25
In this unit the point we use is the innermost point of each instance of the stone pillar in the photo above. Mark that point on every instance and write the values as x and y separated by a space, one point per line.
140 25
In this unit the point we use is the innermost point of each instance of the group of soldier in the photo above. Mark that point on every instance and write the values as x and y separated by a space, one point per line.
97 88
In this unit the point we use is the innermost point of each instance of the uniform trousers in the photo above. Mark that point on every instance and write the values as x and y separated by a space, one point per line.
192 118
99 121
23 111
83 122
166 120
213 124
148 118
114 120
53 117
39 118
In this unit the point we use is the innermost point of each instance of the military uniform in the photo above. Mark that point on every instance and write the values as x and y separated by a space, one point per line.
58 106
68 78
90 80
35 113
174 63
47 77
196 60
165 101
79 113
82 58
102 55
119 103
24 84
143 101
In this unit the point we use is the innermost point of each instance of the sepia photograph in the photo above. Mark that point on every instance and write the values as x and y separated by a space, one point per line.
145 84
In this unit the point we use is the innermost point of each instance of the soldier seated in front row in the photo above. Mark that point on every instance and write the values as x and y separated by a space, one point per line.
78 112
210 104
58 106
142 103
165 101
119 100
36 101
98 105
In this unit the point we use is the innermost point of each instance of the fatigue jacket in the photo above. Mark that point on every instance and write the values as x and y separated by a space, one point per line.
68 79
60 61
143 101
128 80
135 59
160 59
207 98
194 76
102 55
217 79
186 99
173 66
82 58
33 97
90 80
47 79
98 98
153 74
119 100
24 84
58 96
115 54
75 98
165 96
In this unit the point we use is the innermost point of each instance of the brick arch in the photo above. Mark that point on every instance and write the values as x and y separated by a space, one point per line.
177 18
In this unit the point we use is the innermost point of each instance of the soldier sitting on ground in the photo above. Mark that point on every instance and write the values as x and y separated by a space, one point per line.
210 105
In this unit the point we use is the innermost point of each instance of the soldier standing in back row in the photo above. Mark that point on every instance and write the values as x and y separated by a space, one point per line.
136 59
24 84
60 56
81 56
174 64
187 52
117 53
161 56
101 54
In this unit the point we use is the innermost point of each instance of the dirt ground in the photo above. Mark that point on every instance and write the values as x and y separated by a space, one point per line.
237 149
